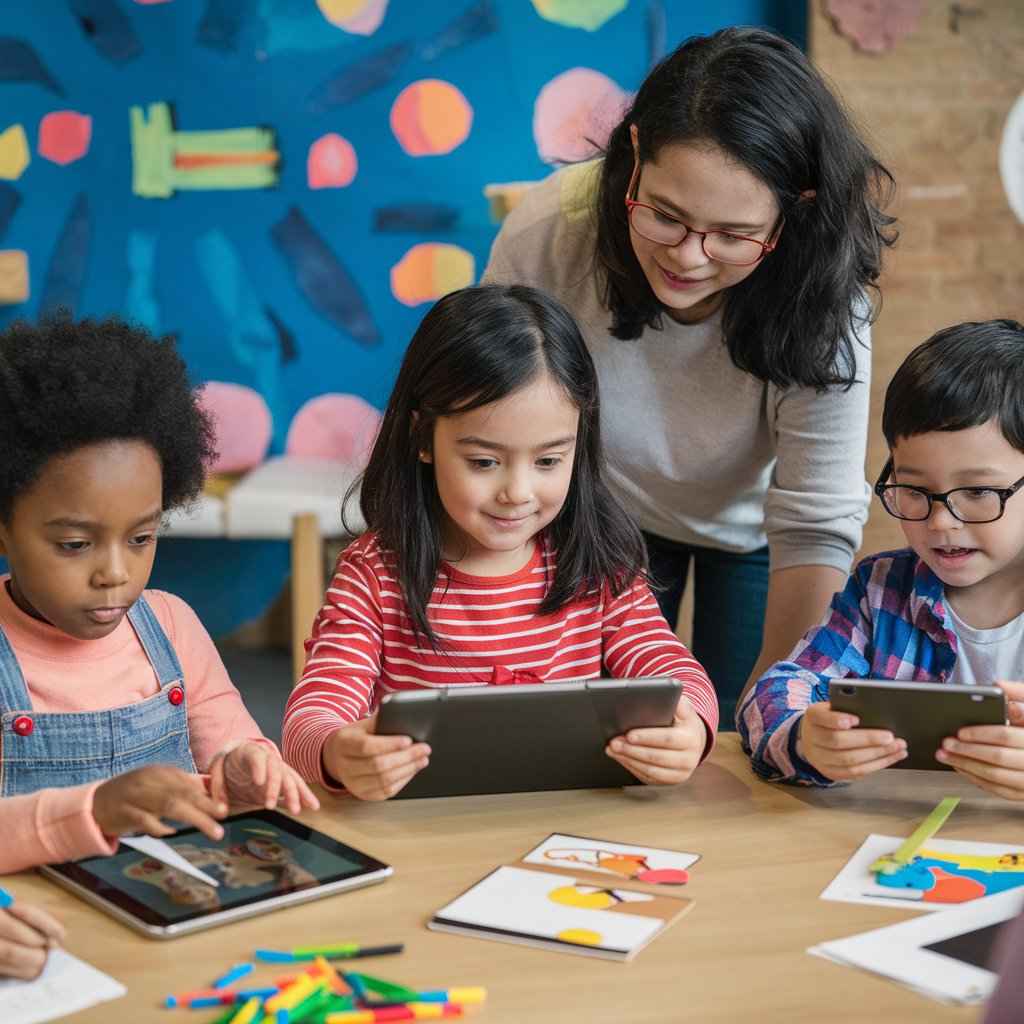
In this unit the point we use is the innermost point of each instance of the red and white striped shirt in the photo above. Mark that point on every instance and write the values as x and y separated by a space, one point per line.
363 645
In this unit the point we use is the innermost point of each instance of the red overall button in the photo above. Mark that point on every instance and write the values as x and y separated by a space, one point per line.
23 725
175 695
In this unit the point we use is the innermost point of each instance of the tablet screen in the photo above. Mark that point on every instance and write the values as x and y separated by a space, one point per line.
263 854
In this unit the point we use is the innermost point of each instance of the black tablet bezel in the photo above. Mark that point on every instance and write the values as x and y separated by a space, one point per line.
78 872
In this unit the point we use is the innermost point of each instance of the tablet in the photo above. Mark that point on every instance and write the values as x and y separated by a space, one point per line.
519 738
923 714
265 861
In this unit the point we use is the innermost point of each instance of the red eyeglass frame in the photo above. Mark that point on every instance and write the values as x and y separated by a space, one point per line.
766 247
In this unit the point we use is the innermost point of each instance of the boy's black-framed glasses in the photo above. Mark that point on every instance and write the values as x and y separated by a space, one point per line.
968 504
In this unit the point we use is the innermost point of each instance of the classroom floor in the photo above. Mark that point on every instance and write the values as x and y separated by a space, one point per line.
264 678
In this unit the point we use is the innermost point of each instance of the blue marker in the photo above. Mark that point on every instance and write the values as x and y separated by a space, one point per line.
6 899
236 972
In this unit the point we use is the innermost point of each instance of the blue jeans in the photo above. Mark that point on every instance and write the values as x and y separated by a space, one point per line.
730 592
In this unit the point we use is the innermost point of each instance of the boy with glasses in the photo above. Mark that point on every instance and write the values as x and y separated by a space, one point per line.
950 608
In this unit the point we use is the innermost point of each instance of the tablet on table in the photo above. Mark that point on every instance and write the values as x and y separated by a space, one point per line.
265 861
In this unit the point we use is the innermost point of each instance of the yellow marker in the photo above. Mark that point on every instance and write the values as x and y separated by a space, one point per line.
350 1017
908 849
303 986
247 1013
470 994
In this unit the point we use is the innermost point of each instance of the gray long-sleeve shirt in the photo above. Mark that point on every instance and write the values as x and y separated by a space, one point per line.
699 451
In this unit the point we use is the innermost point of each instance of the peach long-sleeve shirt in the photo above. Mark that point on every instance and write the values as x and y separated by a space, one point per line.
67 675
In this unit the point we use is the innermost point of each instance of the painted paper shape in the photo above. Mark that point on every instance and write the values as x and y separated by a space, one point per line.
874 27
242 425
10 200
19 62
140 303
221 24
64 136
285 337
656 25
334 426
639 863
945 872
429 270
14 154
332 162
360 17
575 113
474 23
65 276
108 28
431 117
415 217
585 14
165 160
14 279
321 277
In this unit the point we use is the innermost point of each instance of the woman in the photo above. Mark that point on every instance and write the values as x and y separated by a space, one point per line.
717 259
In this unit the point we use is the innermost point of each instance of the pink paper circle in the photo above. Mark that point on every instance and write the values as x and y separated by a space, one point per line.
241 422
334 426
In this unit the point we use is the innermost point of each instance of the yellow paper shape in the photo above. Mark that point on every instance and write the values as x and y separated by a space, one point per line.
14 153
13 276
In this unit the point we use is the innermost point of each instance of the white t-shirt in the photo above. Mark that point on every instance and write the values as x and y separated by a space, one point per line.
987 655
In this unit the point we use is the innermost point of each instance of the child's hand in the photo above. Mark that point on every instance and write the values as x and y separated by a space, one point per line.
832 744
663 756
372 767
992 756
137 800
26 935
253 773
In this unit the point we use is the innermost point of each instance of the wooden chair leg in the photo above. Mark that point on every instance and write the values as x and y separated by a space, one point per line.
307 583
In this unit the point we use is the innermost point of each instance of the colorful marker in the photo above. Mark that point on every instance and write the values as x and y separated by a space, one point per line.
410 1011
342 951
469 994
247 1014
236 972
227 998
6 899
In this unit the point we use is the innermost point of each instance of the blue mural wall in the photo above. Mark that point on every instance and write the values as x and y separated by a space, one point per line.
218 267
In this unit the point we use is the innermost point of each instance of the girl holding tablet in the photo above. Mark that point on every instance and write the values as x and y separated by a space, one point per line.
495 552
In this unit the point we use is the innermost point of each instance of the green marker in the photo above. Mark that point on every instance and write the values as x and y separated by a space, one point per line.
892 862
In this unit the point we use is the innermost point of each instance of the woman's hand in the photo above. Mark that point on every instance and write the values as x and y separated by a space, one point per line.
663 756
254 773
372 767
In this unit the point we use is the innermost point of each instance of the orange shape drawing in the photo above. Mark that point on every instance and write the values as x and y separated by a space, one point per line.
332 162
951 888
14 155
64 136
575 113
430 117
581 936
429 270
333 426
360 17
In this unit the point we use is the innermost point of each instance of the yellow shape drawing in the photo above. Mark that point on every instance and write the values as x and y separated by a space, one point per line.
570 896
581 936
14 153
978 862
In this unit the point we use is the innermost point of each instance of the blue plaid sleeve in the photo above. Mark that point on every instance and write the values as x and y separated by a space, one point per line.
768 720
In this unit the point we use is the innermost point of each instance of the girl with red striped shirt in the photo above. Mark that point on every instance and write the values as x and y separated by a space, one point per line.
495 552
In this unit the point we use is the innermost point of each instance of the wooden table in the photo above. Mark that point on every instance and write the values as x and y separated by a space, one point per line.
767 852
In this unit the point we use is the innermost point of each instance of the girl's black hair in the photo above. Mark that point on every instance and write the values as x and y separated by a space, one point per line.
960 377
757 98
65 384
474 347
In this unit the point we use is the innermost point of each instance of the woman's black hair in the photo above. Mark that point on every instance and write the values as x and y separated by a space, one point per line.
477 346
757 98
960 377
66 384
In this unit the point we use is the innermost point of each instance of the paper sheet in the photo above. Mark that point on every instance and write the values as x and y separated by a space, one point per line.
66 985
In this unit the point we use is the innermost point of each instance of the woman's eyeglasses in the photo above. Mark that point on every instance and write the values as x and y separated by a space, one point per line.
968 504
720 246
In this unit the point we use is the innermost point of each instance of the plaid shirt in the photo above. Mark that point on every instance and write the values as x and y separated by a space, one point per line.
890 622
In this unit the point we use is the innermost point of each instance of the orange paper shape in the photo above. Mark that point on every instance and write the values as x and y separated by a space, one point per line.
13 276
431 117
332 162
64 136
429 270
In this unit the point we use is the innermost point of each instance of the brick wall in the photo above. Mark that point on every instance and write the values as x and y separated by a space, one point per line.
934 108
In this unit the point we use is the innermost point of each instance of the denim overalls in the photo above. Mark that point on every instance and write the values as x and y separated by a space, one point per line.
40 749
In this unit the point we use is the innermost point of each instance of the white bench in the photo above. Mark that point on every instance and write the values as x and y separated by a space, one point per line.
285 498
